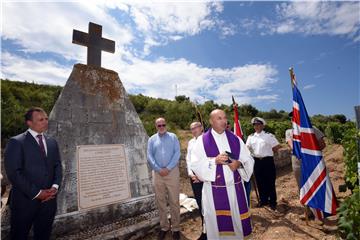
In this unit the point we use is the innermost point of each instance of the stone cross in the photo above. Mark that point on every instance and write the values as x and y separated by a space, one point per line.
94 43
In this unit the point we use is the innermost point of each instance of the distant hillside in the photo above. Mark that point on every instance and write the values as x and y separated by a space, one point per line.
17 97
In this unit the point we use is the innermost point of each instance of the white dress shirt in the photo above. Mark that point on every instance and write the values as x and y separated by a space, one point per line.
34 134
261 144
191 144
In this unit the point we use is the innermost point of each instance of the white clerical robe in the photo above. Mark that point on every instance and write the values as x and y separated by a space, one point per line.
205 170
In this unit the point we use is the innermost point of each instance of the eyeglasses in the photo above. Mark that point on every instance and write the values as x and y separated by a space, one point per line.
161 125
193 128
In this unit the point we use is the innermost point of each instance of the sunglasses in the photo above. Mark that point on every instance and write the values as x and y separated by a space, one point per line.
161 125
193 128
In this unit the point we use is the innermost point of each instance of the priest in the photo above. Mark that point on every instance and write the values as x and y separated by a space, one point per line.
222 161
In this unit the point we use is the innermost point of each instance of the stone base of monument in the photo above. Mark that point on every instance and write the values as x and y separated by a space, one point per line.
282 158
131 220
128 229
101 220
98 221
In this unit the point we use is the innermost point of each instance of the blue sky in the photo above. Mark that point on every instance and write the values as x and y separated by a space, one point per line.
204 50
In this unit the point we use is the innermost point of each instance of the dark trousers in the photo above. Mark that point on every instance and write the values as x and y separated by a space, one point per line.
32 213
248 190
265 175
197 189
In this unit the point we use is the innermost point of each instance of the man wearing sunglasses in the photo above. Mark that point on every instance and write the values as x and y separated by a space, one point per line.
163 154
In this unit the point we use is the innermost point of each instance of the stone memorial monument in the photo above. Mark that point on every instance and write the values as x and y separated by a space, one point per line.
106 191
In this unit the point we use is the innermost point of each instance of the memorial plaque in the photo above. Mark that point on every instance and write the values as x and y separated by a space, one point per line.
102 175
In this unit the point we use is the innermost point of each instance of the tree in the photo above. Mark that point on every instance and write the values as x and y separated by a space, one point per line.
16 98
156 106
339 118
272 114
181 98
182 114
139 101
248 110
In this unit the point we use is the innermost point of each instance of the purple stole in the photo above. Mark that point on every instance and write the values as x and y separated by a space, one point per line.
221 199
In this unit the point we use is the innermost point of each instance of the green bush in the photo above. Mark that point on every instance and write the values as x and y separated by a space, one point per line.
349 210
351 157
180 113
349 217
16 98
278 128
246 127
139 101
333 132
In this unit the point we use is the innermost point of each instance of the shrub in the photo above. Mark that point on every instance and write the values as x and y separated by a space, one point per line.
349 217
334 132
351 156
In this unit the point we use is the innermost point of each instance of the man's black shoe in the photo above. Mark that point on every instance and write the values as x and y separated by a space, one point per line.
162 235
273 207
176 235
261 204
202 236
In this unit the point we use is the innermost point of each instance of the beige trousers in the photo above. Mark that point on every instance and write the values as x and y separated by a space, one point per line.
167 190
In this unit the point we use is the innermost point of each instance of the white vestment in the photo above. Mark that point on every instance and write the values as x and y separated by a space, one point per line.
205 170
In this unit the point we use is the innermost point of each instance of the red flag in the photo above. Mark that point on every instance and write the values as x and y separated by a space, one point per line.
237 127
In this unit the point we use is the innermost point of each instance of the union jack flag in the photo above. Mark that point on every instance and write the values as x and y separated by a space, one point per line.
316 188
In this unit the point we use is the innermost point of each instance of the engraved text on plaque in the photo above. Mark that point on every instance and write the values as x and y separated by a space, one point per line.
102 175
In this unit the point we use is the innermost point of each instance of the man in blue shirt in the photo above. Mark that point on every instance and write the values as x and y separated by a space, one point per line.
163 156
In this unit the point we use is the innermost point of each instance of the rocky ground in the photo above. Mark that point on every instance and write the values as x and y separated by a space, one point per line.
285 223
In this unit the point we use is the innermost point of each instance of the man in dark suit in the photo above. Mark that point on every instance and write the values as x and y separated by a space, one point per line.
32 164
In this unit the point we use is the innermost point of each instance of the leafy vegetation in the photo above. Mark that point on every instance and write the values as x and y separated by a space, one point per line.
349 217
349 210
17 97
336 131
351 157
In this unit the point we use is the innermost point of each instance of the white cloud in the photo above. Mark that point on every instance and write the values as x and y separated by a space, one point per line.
320 75
171 21
286 27
21 69
309 86
176 37
319 17
309 18
226 28
47 27
241 81
158 79
268 98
